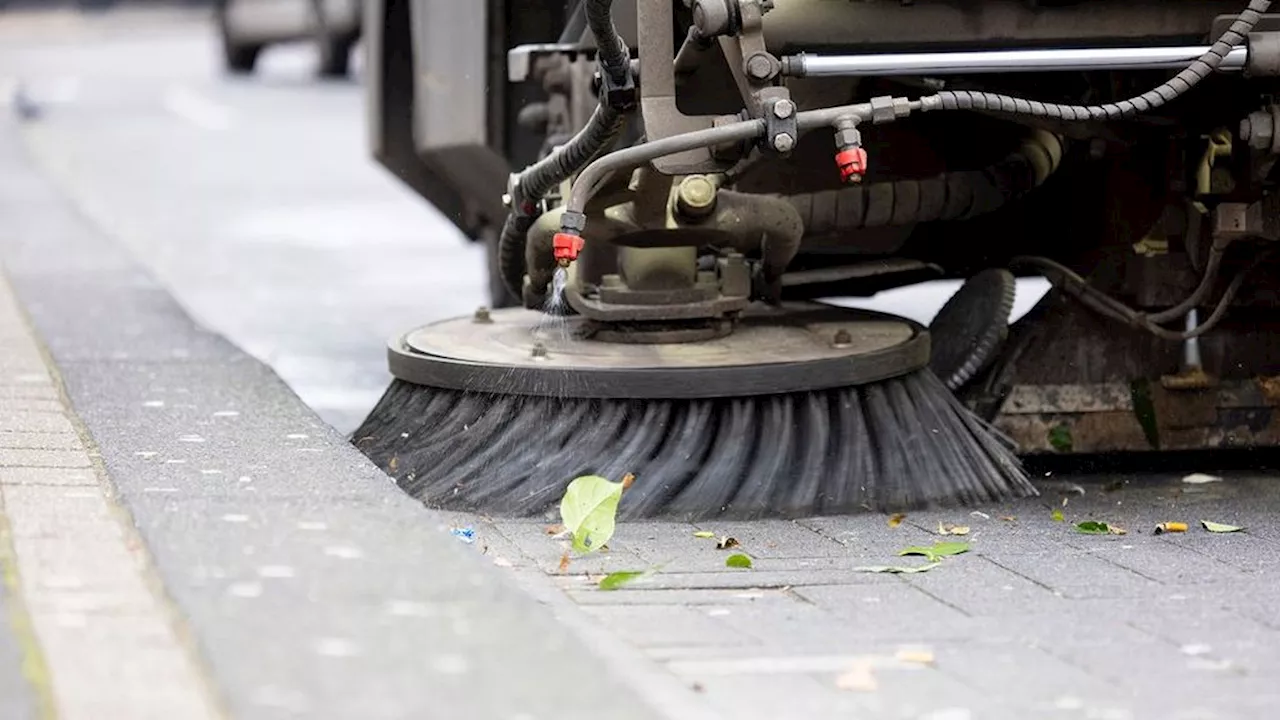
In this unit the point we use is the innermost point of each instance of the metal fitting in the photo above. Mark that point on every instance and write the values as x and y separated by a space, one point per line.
761 67
783 142
539 351
714 17
1259 129
842 339
696 197
482 315
783 109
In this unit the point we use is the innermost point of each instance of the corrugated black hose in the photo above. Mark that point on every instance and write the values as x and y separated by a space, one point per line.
600 132
1179 84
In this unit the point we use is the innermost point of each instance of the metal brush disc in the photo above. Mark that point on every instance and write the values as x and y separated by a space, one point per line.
795 348
969 330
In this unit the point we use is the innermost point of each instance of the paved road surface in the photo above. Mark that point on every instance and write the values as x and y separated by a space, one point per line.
311 259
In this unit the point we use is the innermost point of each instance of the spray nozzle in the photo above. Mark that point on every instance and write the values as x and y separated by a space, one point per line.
565 247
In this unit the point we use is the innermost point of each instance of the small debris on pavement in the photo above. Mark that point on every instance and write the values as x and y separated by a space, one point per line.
1113 486
727 543
589 510
704 534
1057 515
858 678
937 551
896 519
465 534
1170 527
1094 527
1011 518
919 657
1194 649
980 514
503 562
564 563
1214 527
949 529
615 580
554 530
1200 479
738 560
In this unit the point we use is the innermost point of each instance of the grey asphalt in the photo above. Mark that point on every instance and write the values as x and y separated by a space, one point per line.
315 589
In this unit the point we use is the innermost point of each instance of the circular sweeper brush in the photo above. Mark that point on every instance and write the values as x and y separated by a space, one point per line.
801 410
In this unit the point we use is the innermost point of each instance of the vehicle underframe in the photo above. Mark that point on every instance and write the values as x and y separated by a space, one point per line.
1163 214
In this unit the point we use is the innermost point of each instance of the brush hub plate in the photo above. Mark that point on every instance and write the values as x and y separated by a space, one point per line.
794 348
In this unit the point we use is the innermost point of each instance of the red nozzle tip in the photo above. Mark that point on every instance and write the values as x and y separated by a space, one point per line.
566 246
852 164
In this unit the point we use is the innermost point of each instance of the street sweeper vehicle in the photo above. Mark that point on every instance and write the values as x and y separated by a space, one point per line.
670 188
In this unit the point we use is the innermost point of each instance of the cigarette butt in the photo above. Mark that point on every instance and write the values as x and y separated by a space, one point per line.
1171 527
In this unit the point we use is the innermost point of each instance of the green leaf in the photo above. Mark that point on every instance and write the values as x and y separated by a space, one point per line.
938 550
704 534
1057 515
738 560
613 581
1060 438
589 509
897 569
1093 527
1219 527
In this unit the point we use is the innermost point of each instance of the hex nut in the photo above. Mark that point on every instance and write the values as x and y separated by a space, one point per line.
759 67
848 138
783 142
783 109
482 315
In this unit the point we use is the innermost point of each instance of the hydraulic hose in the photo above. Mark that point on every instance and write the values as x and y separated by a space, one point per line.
601 131
956 195
1167 92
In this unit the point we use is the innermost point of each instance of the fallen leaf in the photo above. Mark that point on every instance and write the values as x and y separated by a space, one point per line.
1214 527
858 678
394 463
937 550
949 529
615 580
896 519
704 534
897 569
738 560
726 543
1170 527
919 657
589 509
564 562
1057 515
1011 518
628 480
1094 527
553 529
1200 479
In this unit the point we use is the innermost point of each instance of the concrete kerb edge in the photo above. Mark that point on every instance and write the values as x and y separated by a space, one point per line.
34 669
154 583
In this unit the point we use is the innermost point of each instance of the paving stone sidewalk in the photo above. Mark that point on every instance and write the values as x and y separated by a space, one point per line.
85 631
1037 620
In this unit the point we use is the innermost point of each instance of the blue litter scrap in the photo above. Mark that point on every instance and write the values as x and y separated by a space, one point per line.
465 534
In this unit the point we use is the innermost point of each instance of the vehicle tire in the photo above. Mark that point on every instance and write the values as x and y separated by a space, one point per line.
498 295
335 55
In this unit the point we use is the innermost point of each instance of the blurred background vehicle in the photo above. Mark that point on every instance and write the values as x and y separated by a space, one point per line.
248 26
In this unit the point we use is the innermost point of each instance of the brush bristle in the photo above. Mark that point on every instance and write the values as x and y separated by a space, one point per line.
898 445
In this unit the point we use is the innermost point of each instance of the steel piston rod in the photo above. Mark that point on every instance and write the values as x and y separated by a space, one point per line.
1002 61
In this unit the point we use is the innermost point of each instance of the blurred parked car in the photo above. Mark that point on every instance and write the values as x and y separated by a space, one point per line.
248 26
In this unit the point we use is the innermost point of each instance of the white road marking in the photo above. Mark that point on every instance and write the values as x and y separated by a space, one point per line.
197 109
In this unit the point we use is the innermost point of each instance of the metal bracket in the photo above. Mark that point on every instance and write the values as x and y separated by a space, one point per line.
521 58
